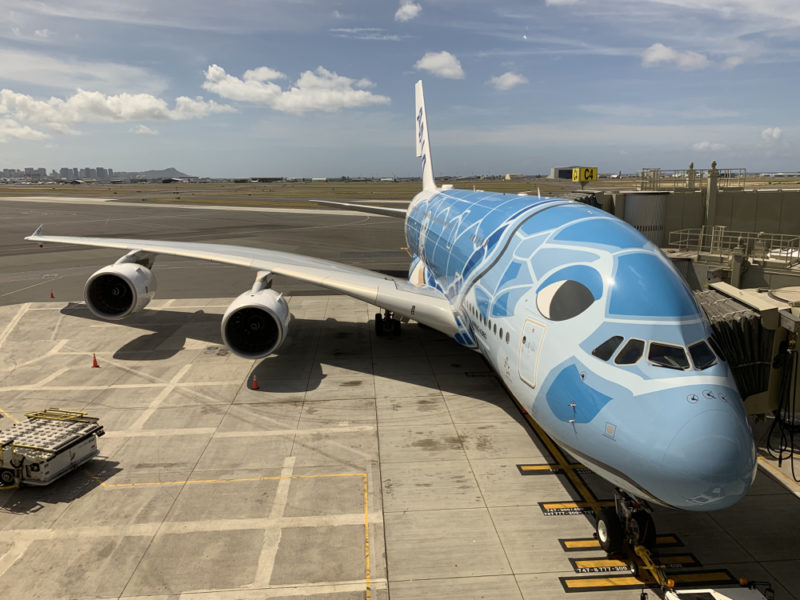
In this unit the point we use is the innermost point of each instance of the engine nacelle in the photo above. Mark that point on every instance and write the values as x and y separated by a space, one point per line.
256 323
119 290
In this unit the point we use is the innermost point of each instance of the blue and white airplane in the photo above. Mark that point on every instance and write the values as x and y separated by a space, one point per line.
584 320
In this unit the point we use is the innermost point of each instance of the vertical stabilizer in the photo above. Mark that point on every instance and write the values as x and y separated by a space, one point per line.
423 141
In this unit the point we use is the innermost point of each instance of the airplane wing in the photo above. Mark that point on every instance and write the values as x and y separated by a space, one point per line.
423 304
399 213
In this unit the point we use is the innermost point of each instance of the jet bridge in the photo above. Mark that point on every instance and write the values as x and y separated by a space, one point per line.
756 331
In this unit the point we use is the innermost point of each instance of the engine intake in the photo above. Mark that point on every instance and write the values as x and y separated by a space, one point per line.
119 290
256 323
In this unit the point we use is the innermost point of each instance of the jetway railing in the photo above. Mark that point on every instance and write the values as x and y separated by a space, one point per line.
654 179
782 250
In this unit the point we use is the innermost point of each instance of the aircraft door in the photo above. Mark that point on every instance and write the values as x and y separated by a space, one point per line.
530 344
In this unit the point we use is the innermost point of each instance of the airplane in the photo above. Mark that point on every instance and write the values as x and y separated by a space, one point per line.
585 322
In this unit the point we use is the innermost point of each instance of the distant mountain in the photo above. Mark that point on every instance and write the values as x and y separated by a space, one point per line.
152 174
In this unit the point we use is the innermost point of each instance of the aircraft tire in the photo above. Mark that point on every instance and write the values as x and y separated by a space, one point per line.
379 329
643 529
609 531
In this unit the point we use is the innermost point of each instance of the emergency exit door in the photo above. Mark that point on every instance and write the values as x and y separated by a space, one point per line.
530 344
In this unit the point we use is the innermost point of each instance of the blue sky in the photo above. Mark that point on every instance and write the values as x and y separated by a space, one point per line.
325 87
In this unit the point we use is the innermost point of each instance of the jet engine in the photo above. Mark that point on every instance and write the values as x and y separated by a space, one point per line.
256 323
119 290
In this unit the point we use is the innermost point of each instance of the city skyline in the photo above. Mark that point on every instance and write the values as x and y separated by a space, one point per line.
326 88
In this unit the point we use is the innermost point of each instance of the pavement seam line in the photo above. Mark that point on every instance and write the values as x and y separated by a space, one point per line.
272 538
14 322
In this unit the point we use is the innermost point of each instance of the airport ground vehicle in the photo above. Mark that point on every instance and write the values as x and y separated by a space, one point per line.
749 592
48 445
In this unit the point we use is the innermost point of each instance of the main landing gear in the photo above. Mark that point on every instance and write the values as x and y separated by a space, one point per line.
386 324
628 521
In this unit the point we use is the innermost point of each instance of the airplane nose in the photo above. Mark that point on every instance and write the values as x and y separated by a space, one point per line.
713 461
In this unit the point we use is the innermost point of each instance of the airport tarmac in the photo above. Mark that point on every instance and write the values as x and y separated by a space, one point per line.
362 467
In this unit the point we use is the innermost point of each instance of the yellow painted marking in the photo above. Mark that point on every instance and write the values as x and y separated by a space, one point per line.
8 416
569 544
592 582
237 480
562 461
539 467
568 505
677 559
666 539
366 537
598 563
700 577
788 481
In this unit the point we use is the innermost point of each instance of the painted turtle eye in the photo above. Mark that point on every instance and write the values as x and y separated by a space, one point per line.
562 300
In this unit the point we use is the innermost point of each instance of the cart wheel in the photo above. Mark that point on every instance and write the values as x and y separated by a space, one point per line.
7 477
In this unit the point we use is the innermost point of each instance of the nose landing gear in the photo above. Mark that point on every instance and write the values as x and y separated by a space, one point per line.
628 521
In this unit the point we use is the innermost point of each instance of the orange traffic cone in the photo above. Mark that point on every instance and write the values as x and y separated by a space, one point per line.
255 383
51 294
94 361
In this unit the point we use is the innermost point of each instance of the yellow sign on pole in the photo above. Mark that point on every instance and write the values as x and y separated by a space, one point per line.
584 174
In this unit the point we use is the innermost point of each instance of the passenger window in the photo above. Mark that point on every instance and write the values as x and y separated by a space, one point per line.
606 350
665 355
630 353
702 356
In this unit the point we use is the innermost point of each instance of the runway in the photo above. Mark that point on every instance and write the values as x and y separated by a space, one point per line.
30 273
361 467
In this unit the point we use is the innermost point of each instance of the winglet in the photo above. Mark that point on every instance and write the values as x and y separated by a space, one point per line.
36 233
423 141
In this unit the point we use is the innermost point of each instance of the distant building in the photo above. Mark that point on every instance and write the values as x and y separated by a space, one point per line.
510 176
562 172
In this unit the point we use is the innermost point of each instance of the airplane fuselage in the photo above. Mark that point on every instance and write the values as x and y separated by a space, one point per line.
596 335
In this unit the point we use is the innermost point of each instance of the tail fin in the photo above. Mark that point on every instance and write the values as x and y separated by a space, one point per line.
423 142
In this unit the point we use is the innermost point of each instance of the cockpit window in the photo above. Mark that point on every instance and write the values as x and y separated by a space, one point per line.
715 345
630 353
605 350
665 355
702 356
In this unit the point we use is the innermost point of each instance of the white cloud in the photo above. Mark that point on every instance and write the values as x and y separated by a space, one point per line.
42 34
12 130
560 2
508 80
57 114
318 90
441 64
143 130
84 107
50 71
732 62
365 33
771 134
706 146
408 10
659 53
